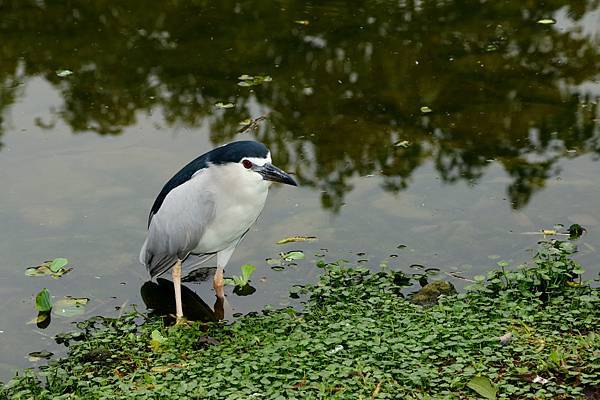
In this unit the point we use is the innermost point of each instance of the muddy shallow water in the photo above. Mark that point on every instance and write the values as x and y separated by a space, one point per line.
454 128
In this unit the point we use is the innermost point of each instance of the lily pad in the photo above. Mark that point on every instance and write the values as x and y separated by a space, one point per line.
55 268
484 387
292 255
57 264
70 306
42 301
292 239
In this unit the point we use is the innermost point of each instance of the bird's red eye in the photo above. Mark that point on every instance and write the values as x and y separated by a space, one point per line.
247 164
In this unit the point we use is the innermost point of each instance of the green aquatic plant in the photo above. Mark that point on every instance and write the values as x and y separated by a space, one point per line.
55 268
243 279
357 337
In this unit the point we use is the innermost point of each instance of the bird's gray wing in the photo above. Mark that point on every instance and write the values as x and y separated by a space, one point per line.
177 227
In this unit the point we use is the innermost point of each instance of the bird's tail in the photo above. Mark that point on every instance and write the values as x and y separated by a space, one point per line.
157 264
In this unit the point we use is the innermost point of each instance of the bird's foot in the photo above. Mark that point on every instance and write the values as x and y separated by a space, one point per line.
181 320
219 308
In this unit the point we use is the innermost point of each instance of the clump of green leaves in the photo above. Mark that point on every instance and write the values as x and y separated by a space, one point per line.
243 279
356 338
551 271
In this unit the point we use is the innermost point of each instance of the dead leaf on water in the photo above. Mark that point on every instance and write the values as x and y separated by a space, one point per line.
41 317
291 239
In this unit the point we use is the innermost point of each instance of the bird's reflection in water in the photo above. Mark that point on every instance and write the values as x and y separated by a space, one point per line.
159 297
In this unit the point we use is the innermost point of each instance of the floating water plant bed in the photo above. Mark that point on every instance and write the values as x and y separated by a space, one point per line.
531 331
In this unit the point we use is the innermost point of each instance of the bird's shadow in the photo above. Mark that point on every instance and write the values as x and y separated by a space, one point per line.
159 298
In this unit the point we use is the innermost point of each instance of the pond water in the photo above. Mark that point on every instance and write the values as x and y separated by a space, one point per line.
427 132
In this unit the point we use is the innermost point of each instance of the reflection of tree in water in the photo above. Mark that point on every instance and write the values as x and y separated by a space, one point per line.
346 87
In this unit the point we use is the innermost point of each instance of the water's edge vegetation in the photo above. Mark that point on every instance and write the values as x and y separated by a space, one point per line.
527 332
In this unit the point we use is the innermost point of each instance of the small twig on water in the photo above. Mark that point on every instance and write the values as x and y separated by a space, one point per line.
252 124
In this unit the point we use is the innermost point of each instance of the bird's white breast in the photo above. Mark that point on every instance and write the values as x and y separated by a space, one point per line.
239 197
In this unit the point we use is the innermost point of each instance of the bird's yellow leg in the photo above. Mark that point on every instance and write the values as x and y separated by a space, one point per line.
218 284
176 273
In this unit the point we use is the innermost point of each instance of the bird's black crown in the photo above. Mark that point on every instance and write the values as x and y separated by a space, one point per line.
236 151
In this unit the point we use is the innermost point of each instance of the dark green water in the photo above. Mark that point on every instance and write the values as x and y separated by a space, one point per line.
451 127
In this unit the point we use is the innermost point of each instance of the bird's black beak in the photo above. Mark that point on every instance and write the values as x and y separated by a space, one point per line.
272 173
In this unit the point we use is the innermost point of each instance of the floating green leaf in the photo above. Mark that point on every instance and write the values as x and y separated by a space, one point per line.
426 110
224 105
292 255
57 264
291 239
42 301
55 268
484 387
70 306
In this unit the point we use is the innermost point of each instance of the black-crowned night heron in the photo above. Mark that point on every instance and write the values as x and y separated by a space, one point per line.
207 208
